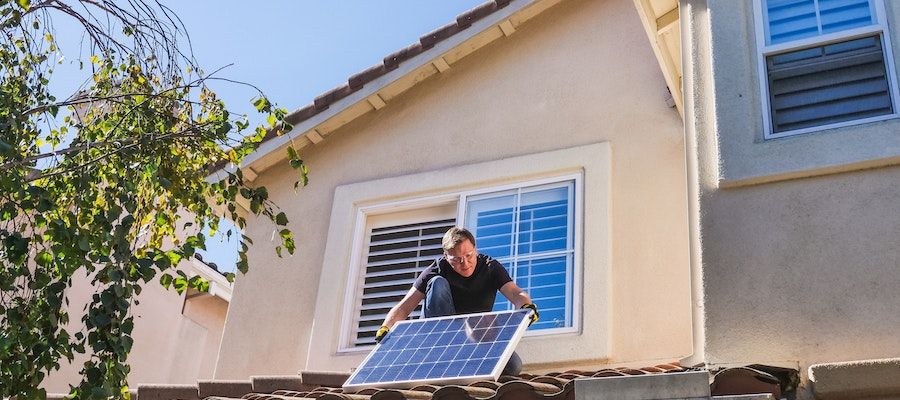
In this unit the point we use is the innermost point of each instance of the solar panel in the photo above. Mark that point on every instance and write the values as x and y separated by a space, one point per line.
447 350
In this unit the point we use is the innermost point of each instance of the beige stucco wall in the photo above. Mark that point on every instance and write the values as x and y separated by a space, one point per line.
169 347
581 73
790 271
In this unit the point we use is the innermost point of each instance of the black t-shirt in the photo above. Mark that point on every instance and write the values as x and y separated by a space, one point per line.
473 294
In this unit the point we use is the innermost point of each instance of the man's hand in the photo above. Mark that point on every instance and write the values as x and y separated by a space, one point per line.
534 315
381 333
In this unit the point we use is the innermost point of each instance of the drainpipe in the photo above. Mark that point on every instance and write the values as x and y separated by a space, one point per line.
693 33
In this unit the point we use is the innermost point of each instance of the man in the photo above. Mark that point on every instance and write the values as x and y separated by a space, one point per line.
461 282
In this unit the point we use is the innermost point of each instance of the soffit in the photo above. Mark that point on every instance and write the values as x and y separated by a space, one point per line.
661 21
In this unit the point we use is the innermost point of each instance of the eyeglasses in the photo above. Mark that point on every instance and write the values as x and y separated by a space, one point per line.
459 260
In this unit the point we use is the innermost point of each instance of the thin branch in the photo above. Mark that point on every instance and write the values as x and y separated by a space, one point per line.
179 134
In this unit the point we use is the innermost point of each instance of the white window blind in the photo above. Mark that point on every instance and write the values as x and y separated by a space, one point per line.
789 20
396 254
530 230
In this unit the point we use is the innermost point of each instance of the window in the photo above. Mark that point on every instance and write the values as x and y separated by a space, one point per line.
825 63
399 246
530 230
529 227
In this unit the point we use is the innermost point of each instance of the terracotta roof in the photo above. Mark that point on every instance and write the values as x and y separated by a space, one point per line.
327 385
755 379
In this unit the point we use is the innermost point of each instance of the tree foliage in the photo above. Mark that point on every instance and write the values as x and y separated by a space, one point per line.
109 182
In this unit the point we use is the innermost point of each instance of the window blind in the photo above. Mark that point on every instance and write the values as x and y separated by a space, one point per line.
798 19
827 84
530 231
396 256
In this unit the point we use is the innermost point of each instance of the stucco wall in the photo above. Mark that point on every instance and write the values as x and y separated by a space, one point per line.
581 73
793 271
169 347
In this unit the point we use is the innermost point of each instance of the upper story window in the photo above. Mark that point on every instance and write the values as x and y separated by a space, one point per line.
529 227
826 63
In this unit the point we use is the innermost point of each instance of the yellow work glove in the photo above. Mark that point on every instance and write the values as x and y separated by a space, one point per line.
381 333
534 315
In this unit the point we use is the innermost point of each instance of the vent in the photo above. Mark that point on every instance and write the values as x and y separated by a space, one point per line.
828 84
396 256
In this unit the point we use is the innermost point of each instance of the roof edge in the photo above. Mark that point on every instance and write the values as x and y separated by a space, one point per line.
365 91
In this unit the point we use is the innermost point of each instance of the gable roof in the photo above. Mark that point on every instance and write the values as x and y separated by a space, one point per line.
374 87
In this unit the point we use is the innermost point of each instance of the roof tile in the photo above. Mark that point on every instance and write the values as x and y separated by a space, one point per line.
324 100
550 386
358 80
429 39
467 18
393 60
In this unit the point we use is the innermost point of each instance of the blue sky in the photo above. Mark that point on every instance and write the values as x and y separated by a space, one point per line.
296 50
292 50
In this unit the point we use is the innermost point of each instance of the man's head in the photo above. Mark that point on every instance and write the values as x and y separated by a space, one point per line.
459 250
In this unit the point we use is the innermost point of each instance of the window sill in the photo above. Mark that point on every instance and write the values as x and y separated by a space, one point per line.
837 125
547 334
829 150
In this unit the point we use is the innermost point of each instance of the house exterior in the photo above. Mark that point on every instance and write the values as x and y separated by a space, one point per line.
176 336
793 141
553 115
704 182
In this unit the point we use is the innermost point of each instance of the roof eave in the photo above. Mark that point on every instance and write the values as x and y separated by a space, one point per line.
380 91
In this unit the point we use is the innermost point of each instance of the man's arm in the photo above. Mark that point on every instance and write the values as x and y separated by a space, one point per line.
404 307
515 294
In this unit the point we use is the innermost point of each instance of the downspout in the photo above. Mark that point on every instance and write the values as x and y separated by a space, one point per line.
692 34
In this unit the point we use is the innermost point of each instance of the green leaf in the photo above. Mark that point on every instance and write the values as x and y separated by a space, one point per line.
180 284
281 219
162 219
26 4
84 244
262 104
43 258
165 280
174 257
242 266
101 320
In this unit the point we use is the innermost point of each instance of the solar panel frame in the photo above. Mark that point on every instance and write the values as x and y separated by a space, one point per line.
495 372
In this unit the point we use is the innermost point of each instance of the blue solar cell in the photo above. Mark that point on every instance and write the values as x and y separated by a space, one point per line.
505 335
482 349
422 371
450 350
497 349
458 338
439 370
486 366
400 330
471 367
455 368
466 351
442 325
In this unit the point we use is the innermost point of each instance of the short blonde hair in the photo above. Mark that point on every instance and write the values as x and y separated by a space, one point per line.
455 236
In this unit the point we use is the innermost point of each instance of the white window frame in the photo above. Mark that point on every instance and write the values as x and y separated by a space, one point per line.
351 297
765 50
